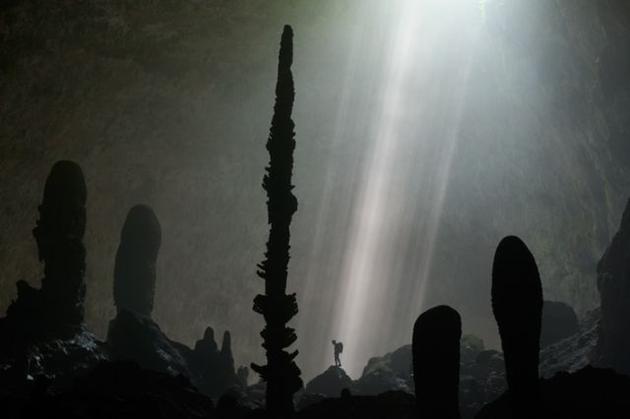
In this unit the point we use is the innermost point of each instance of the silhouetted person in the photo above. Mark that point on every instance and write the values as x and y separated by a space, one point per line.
337 349
435 347
134 272
517 306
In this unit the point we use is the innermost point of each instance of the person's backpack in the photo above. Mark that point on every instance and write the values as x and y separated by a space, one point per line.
340 347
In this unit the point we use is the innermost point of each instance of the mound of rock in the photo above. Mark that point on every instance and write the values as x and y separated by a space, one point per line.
330 383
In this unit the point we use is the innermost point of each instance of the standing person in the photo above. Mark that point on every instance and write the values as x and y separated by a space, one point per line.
338 349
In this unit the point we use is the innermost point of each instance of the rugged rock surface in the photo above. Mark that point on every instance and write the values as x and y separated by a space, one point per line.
330 383
133 337
391 372
482 377
57 360
573 353
613 281
214 368
559 321
116 390
482 380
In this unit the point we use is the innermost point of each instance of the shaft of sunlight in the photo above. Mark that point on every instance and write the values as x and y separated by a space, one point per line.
362 272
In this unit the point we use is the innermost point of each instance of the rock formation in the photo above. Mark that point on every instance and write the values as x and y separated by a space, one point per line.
330 383
559 321
134 272
56 310
436 336
613 282
213 368
517 306
59 235
43 334
132 335
281 373
389 372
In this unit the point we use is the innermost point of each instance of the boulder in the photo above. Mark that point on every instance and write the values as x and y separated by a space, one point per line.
559 321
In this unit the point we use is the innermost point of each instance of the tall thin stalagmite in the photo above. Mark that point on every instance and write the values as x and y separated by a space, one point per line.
517 306
281 373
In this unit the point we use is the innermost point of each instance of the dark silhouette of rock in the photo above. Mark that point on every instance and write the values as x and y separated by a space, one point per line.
132 337
517 307
56 310
281 373
225 373
471 346
59 235
134 272
482 375
435 343
330 383
213 368
573 353
391 404
226 349
242 374
42 333
120 390
559 321
588 393
390 372
207 343
613 282
204 360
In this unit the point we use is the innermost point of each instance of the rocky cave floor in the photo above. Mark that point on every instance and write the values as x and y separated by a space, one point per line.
76 378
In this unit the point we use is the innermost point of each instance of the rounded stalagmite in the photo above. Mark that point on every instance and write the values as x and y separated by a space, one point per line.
135 269
517 306
435 346
59 235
